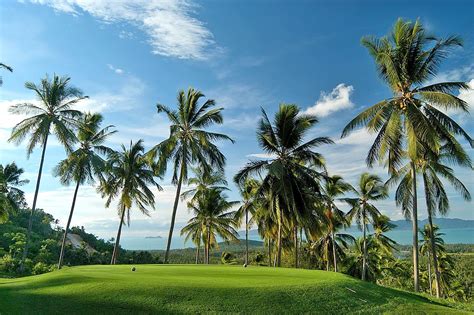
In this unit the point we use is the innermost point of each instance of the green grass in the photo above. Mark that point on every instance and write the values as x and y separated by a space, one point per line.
203 289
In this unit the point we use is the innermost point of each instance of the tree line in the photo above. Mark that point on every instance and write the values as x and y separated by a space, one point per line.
290 195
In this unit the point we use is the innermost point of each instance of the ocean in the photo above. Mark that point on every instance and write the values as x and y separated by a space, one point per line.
404 237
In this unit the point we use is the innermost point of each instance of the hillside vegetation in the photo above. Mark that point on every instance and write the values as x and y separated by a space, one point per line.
203 289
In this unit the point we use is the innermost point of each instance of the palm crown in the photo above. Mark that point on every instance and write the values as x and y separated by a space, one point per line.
54 109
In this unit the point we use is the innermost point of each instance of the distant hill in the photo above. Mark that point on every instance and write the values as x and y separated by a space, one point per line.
443 223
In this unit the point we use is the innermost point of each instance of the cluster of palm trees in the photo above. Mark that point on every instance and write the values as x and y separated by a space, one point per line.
289 195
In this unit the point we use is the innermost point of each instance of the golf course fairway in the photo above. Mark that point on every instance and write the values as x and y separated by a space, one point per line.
203 289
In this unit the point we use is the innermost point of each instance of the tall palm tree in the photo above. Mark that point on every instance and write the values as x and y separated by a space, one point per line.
12 197
428 234
189 142
333 188
212 216
434 171
84 164
370 188
52 114
128 177
411 118
249 205
6 67
288 172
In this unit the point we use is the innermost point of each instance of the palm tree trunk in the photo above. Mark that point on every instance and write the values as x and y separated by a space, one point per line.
435 257
278 258
33 207
63 244
364 254
295 232
117 240
429 274
246 237
208 244
175 208
334 255
197 251
416 272
269 252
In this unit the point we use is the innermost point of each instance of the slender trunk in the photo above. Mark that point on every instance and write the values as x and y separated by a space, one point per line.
197 251
295 232
416 272
208 245
327 262
246 237
364 254
175 208
33 207
435 257
334 254
63 245
278 258
117 240
429 274
269 252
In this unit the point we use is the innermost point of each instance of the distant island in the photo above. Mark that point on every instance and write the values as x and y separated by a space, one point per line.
153 236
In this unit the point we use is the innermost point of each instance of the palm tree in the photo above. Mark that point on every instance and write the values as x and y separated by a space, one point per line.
52 114
333 188
331 246
410 118
288 174
426 248
203 181
128 177
371 188
434 172
381 225
189 143
12 198
249 204
85 163
212 217
4 66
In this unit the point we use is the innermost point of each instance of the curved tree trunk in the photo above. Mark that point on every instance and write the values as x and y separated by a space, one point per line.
364 254
435 257
33 207
63 244
246 237
173 216
416 272
117 240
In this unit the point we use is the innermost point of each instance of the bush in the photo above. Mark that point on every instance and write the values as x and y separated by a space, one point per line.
41 267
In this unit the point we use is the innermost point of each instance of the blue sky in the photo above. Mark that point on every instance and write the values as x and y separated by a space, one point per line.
129 55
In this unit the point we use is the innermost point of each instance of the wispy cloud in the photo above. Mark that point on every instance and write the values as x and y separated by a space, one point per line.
328 103
261 155
169 24
114 69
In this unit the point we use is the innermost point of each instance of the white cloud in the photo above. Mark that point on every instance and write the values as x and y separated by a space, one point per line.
328 103
239 96
468 95
261 155
169 24
90 211
116 70
358 137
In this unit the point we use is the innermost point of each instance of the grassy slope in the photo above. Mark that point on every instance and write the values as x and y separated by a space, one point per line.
201 289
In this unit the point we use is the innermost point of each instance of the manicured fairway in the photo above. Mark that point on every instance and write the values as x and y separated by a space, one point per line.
202 289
